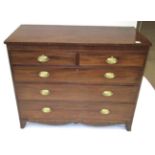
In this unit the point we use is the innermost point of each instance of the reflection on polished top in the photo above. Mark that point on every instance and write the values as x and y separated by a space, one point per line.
46 34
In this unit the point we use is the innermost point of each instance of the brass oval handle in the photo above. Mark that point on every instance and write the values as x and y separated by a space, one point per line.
44 74
107 93
46 110
109 75
43 58
45 92
105 111
112 60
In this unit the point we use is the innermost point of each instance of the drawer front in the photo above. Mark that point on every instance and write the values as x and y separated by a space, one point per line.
42 57
75 112
70 75
62 92
113 58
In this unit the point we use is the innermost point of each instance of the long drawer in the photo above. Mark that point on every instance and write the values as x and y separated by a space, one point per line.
74 75
76 112
63 92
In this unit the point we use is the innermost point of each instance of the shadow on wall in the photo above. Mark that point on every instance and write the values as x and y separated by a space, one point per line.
148 29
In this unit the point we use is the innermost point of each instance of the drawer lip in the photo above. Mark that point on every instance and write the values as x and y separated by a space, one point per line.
21 101
71 92
81 48
79 112
88 75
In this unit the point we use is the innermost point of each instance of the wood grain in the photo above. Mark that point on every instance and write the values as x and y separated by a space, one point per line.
30 58
76 112
47 34
99 59
78 75
76 92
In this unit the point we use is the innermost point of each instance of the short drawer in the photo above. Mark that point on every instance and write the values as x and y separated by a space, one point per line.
75 75
75 112
42 57
71 92
112 58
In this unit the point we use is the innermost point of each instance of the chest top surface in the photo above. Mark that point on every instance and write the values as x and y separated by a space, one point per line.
46 34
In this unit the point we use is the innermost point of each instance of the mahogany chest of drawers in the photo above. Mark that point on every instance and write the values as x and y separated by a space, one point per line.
77 74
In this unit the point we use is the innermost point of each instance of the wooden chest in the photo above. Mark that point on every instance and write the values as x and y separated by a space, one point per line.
77 74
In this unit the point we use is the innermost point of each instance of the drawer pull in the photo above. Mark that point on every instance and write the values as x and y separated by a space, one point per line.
107 93
45 92
46 110
43 58
109 75
105 111
44 74
112 60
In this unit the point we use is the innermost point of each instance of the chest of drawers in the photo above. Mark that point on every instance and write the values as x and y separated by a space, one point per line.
77 74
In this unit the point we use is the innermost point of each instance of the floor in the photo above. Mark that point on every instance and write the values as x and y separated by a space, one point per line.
148 29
